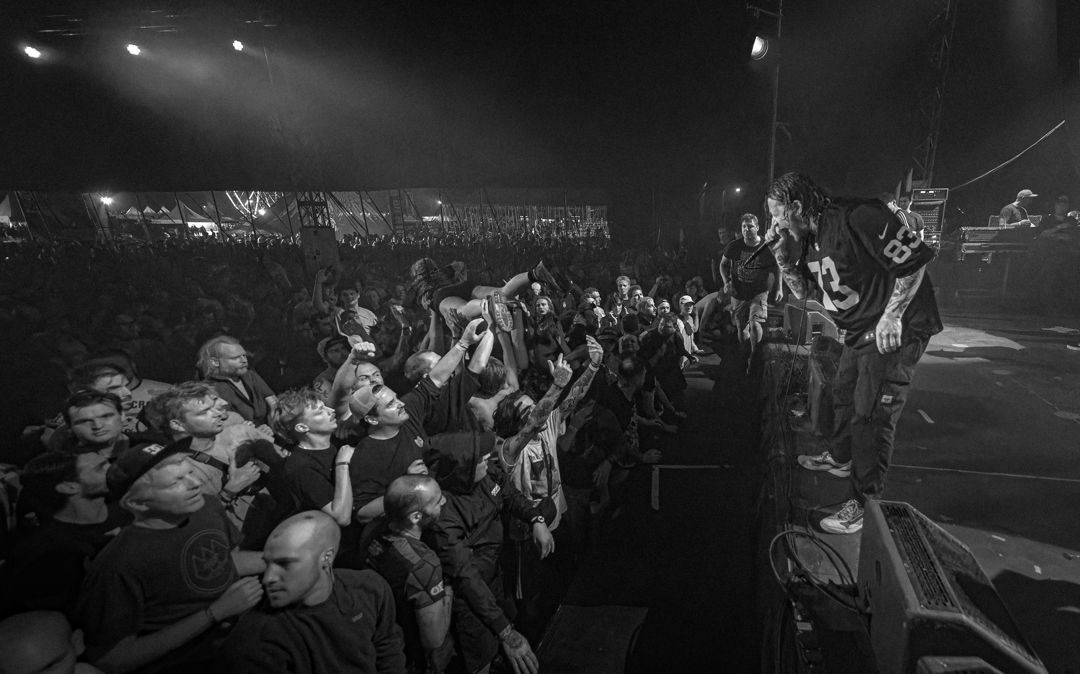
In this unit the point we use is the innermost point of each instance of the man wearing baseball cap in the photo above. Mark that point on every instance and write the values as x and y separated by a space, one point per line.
156 591
1017 210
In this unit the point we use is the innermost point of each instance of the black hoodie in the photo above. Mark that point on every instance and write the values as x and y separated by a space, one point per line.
469 534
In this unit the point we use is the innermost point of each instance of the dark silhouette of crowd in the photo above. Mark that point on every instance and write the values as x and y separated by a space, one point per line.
222 455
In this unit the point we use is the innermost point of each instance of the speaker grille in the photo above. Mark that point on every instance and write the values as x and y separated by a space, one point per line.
924 573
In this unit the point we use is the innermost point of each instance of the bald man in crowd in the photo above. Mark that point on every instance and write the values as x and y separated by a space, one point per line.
316 619
41 641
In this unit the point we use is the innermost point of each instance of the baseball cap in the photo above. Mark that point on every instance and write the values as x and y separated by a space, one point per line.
1025 193
137 461
326 342
362 401
686 299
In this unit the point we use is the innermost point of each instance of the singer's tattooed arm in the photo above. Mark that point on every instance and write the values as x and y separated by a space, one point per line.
903 292
794 279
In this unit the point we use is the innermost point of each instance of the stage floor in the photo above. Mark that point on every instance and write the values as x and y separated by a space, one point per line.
988 447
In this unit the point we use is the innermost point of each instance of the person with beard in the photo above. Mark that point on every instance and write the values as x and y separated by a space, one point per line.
66 494
316 619
413 503
157 595
474 470
224 363
871 269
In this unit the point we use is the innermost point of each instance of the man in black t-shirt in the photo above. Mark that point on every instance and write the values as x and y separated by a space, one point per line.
871 269
396 441
316 476
153 594
748 280
45 567
414 572
316 619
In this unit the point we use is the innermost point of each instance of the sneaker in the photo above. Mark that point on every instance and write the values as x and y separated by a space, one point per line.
848 520
826 462
498 310
540 274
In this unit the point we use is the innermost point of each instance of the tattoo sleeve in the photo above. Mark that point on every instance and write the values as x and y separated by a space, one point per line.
537 418
796 281
903 292
577 391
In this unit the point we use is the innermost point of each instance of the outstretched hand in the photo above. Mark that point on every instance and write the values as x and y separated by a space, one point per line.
560 371
470 335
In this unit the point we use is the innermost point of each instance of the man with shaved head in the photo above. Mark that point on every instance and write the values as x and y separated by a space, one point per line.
41 642
413 570
316 619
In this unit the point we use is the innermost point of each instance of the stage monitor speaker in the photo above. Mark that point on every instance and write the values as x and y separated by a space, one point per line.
928 596
802 320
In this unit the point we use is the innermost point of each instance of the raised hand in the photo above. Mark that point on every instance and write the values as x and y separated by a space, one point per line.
560 371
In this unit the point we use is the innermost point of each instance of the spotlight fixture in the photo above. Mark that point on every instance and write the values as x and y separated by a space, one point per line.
31 52
760 48
262 211
738 189
133 49
238 45
107 201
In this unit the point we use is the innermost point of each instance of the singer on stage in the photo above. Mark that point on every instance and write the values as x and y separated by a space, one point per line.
871 270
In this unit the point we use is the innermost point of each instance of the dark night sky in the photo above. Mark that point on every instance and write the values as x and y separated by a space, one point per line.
628 96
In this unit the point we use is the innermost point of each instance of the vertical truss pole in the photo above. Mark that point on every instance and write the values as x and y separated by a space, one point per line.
932 97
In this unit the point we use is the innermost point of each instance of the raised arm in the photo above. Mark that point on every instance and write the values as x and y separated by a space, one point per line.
482 354
345 378
317 292
581 386
539 414
447 365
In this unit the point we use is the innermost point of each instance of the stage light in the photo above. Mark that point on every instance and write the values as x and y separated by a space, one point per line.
107 201
133 49
760 48
31 52
238 45
738 189
262 211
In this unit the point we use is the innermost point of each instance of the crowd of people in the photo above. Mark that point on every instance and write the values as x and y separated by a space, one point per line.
217 458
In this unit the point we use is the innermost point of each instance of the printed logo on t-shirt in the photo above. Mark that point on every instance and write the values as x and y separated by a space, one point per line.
205 562
495 490
419 441
436 589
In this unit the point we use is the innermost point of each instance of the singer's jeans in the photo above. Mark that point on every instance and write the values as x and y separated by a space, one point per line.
869 392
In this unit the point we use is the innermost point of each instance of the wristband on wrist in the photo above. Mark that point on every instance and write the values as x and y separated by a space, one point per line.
461 346
506 632
227 496
341 463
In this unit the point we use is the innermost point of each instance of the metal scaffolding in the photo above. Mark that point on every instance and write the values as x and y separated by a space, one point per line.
931 96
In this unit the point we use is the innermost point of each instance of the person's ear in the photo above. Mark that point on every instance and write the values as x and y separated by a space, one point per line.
133 503
796 207
68 488
415 516
176 426
327 558
301 428
371 419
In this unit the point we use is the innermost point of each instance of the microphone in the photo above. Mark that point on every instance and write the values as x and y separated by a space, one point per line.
764 244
